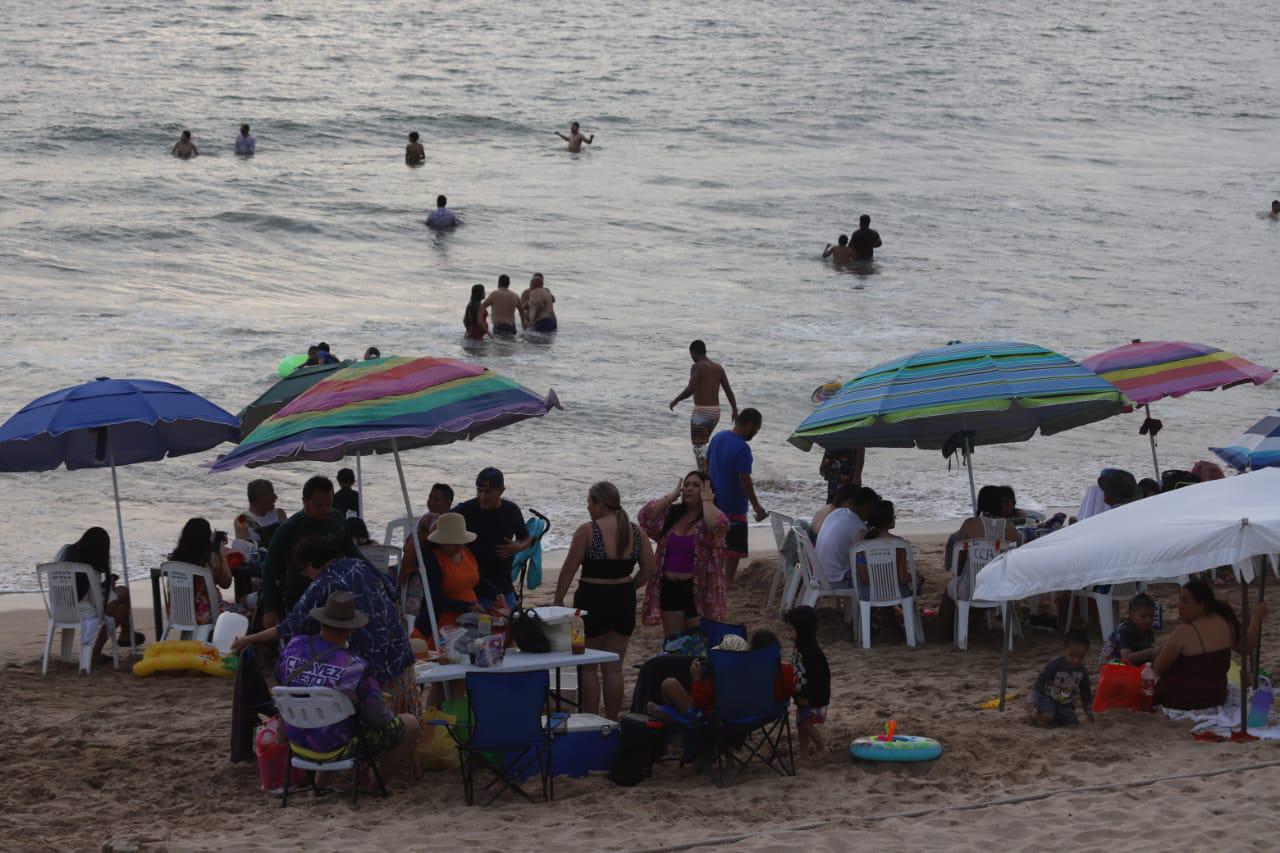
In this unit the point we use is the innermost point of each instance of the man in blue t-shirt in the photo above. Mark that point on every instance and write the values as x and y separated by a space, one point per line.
729 458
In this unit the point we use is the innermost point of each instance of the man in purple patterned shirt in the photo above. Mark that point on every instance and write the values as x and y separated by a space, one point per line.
324 661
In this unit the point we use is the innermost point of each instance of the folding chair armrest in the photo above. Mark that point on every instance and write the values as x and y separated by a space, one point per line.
558 723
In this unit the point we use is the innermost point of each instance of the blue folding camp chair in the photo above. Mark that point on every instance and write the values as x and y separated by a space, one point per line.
749 721
716 631
505 733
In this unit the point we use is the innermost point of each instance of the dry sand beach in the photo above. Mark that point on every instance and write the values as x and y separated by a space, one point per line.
111 757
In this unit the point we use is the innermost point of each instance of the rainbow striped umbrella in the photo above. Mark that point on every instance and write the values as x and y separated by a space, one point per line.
1147 371
386 405
960 396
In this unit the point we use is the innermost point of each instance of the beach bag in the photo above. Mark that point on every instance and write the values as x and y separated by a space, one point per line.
641 742
272 751
526 630
1119 687
436 748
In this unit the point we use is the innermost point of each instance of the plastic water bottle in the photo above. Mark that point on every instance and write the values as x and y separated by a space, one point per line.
1260 704
1148 678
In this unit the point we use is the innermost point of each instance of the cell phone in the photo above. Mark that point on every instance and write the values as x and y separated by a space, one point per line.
219 537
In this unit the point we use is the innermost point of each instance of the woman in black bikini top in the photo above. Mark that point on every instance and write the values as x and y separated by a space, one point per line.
606 591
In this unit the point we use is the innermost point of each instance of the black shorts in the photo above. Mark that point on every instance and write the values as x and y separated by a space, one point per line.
608 606
735 541
504 329
677 595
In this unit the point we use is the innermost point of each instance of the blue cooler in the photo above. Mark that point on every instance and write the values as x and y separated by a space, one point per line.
587 742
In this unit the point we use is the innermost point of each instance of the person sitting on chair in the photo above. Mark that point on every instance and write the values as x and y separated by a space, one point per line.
199 546
93 549
323 660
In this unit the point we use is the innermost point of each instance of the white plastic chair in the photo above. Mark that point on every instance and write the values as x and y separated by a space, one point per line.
58 587
782 524
398 531
815 585
1106 603
182 601
979 552
314 708
881 557
383 557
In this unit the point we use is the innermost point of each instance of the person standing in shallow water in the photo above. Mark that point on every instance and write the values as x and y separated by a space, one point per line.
504 305
184 148
537 306
1275 210
840 254
414 153
864 241
474 319
246 145
575 138
706 378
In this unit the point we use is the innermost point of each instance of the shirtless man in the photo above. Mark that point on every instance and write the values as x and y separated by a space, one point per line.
184 148
575 138
1275 210
706 378
841 254
503 305
537 306
414 153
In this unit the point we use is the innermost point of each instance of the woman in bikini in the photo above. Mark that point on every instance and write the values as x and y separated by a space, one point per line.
607 549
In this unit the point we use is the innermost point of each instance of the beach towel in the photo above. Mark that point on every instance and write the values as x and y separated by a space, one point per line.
533 577
1222 721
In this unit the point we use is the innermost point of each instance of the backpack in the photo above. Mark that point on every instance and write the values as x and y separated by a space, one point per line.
642 742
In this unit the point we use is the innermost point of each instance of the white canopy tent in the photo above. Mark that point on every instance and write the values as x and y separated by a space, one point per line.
1234 521
1222 522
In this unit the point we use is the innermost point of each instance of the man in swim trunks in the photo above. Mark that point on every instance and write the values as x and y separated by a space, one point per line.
184 148
706 378
575 138
864 241
841 254
414 153
537 306
503 305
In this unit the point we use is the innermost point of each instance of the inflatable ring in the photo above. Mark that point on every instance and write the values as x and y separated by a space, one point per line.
290 364
901 748
188 655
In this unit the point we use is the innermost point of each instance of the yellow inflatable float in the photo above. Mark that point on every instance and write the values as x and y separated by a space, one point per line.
191 655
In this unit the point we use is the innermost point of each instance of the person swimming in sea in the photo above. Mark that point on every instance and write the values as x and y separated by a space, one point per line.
184 148
840 254
414 153
575 138
1275 210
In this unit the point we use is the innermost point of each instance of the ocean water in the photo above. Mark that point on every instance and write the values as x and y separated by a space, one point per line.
1071 176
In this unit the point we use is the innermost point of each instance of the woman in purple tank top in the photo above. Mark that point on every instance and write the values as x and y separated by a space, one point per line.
689 533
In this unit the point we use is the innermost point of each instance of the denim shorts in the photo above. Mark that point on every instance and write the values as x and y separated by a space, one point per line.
1063 714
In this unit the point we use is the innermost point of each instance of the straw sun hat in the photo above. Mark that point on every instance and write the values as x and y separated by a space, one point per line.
451 529
733 643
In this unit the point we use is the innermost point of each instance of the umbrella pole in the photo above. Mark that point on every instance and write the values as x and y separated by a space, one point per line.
1151 436
1004 652
124 551
968 463
1244 661
359 487
1261 564
404 488
426 588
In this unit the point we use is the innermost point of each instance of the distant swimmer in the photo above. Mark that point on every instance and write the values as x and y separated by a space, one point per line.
576 138
864 241
537 306
442 217
706 378
245 144
503 304
184 148
414 153
1275 210
473 319
371 353
841 254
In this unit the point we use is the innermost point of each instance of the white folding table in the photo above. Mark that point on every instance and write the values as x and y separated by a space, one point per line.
429 672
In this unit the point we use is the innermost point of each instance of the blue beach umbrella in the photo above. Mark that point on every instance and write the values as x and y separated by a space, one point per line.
1257 447
110 422
956 397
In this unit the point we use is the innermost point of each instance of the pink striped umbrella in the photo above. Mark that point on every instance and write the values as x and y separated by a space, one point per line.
1147 371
